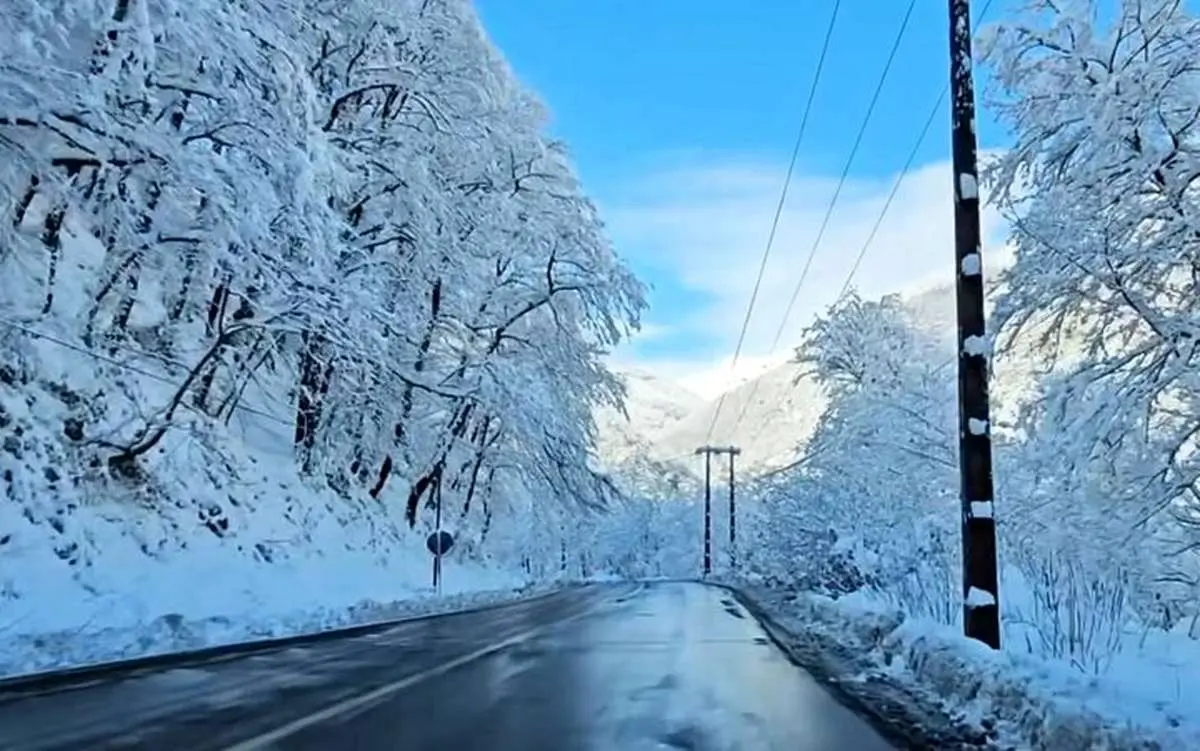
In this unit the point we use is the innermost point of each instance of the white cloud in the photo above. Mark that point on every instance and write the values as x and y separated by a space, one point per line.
705 227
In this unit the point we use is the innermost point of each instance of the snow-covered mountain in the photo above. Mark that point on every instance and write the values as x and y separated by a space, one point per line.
666 423
781 407
769 417
628 443
652 406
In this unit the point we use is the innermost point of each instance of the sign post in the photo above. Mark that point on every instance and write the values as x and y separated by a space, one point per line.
438 543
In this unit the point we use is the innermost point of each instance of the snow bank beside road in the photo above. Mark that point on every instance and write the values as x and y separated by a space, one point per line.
208 548
217 539
1013 700
22 654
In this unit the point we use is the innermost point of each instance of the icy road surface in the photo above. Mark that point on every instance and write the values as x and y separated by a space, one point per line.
621 667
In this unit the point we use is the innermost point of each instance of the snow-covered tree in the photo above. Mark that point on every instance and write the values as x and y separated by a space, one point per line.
1101 188
342 216
874 496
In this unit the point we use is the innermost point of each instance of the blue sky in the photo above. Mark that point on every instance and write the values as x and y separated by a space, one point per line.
681 117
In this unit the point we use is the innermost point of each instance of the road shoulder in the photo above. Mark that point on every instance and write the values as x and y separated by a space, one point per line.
901 712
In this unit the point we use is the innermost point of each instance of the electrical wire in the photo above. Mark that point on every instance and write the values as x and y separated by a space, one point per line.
862 128
762 266
123 365
904 172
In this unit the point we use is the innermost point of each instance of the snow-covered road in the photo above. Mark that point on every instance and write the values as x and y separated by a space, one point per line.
631 666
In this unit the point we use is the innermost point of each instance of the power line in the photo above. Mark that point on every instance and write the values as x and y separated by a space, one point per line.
762 266
887 204
912 157
862 129
904 172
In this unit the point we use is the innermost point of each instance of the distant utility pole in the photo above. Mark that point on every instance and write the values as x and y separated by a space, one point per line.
733 452
708 452
981 602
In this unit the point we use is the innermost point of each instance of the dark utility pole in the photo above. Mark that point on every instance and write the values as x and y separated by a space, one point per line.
733 452
708 452
707 509
981 610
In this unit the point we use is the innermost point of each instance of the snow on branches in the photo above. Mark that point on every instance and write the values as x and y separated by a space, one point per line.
1101 187
873 497
343 216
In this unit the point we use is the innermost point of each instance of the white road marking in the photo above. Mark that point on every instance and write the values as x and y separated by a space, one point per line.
357 702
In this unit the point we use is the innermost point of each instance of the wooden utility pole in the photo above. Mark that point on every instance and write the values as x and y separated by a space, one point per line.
981 609
733 452
708 452
707 509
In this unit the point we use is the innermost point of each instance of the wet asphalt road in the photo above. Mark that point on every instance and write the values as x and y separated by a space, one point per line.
621 667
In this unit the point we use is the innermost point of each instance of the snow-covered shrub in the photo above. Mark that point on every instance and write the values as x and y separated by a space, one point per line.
1056 608
1096 453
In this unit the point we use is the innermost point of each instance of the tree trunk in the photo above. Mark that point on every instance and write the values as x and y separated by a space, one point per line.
315 377
52 239
406 399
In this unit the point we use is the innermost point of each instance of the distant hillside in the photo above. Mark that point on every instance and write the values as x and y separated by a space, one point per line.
781 410
652 406
782 406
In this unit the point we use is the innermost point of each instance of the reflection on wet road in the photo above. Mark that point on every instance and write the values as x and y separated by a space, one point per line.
679 666
624 667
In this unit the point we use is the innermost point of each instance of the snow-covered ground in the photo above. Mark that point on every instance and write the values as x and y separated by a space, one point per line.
236 378
216 539
31 653
1146 698
206 548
